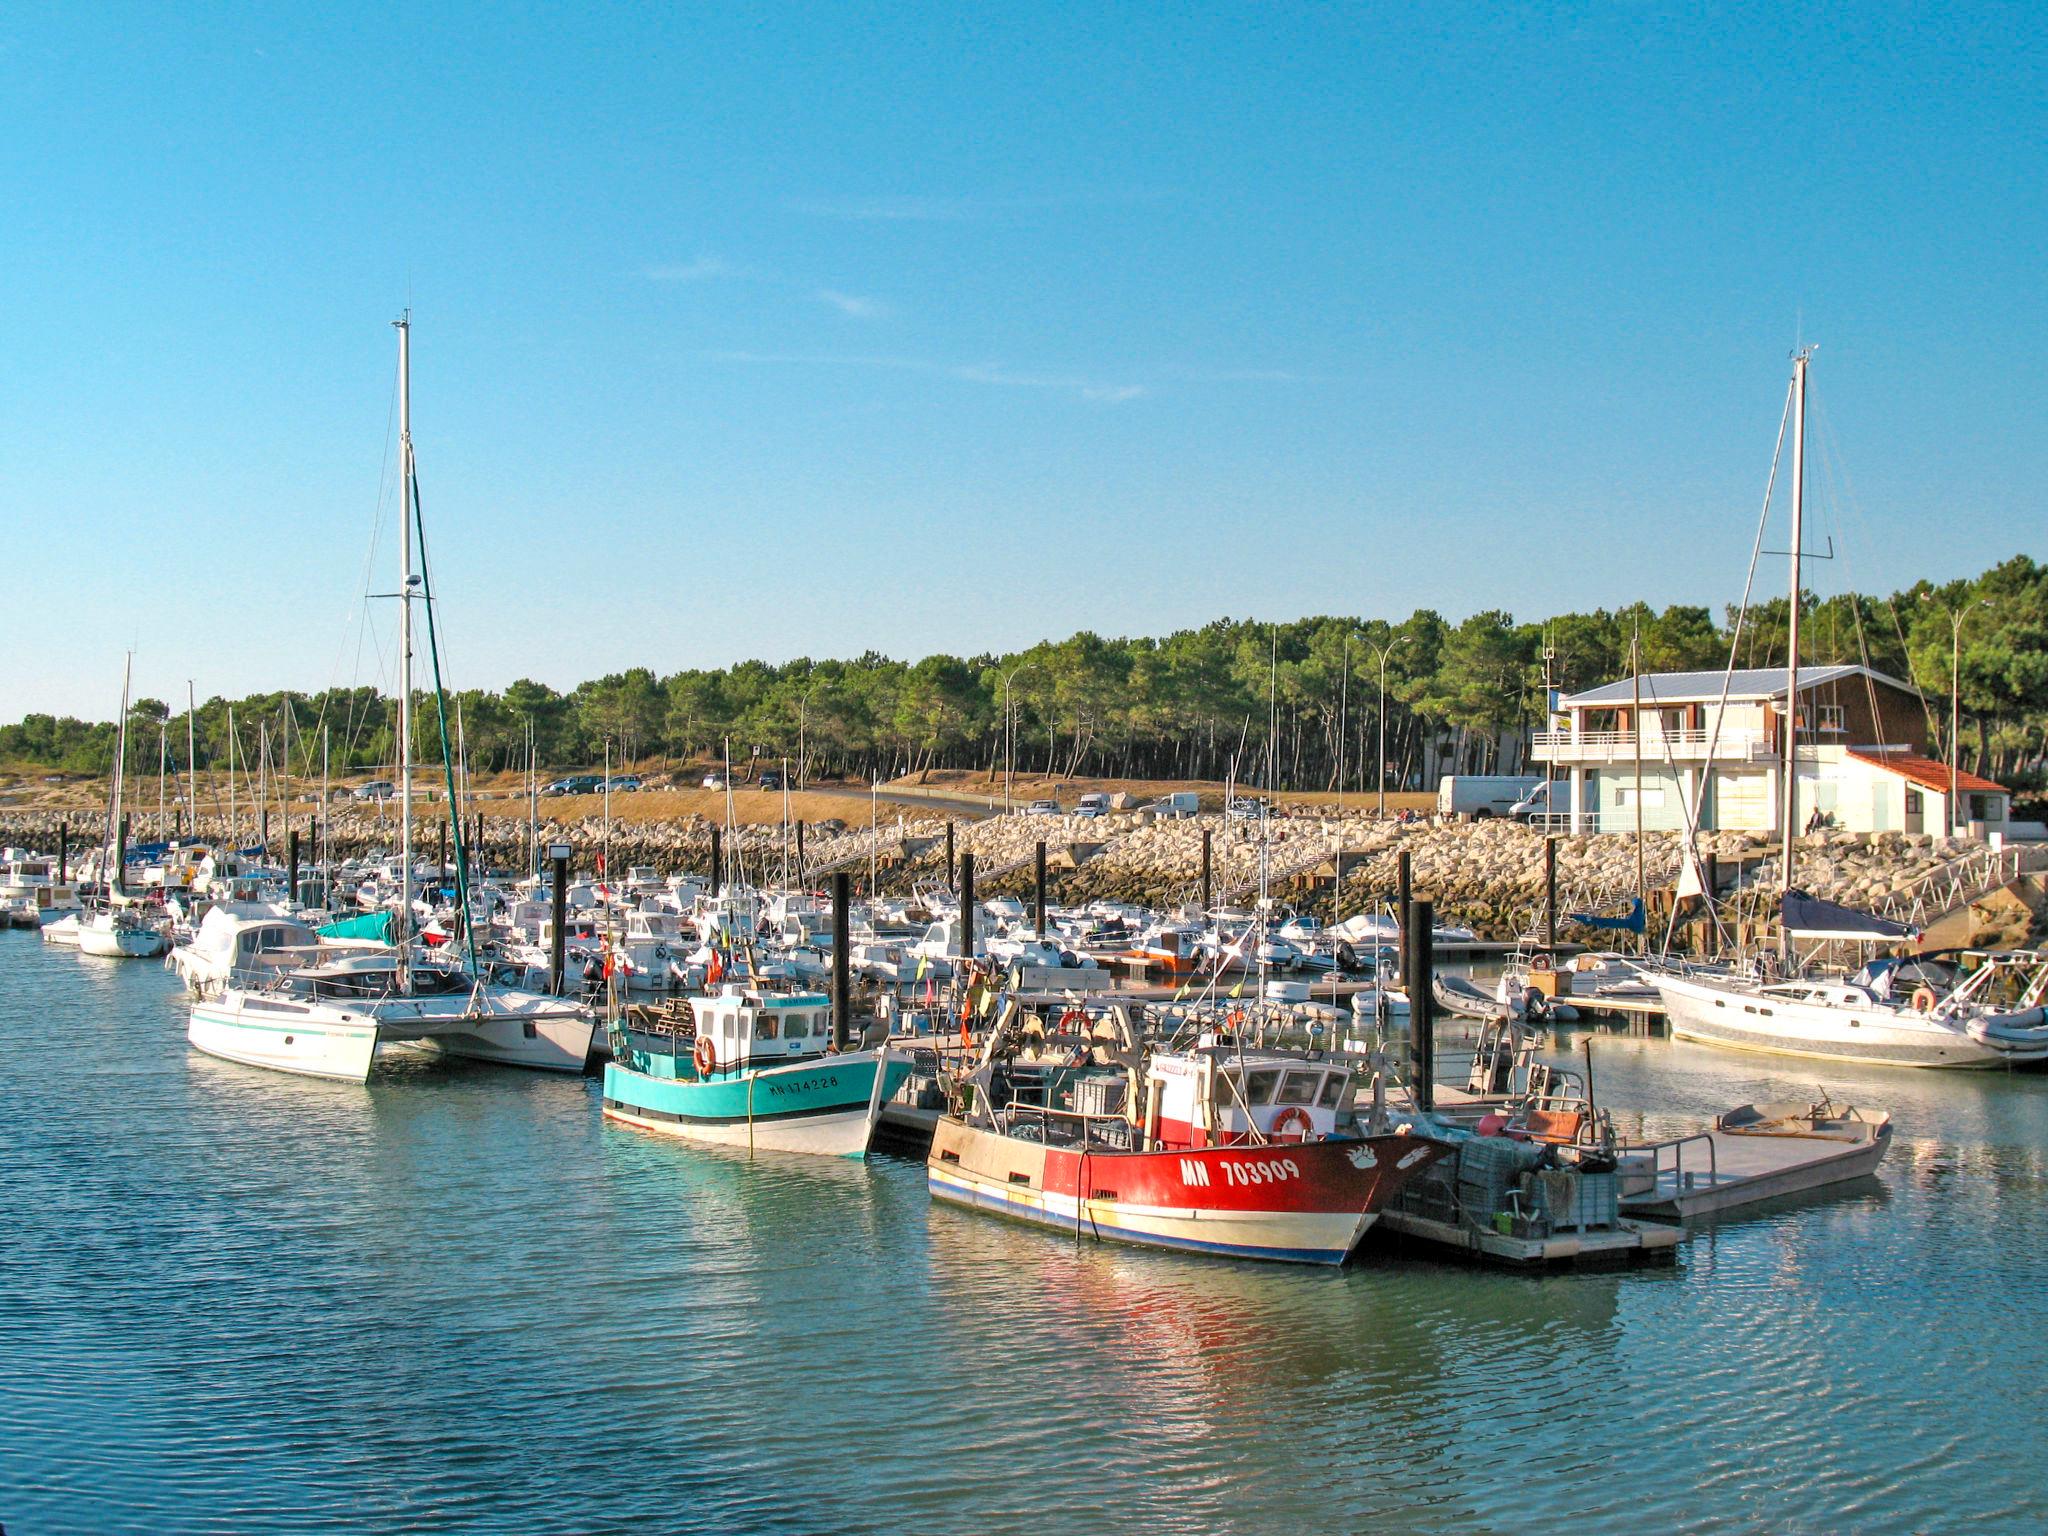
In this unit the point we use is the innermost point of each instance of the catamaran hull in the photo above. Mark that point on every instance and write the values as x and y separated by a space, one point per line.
1301 1203
1743 1022
823 1108
285 1043
542 1045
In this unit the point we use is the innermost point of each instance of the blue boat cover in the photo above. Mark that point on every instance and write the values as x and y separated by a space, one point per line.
1632 920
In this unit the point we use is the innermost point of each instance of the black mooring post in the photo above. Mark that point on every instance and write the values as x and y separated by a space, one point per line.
717 860
441 868
63 853
799 851
949 853
1208 867
1404 897
120 855
1550 896
967 906
1422 1000
291 865
842 966
558 951
1713 883
1038 906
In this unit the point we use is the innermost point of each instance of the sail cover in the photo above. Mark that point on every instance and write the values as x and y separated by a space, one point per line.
1631 920
364 925
1808 917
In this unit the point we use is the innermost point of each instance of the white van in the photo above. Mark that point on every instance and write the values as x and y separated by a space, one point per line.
1182 802
1483 796
1543 802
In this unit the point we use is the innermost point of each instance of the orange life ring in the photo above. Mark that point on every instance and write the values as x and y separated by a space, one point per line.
705 1055
1071 1018
1541 963
1924 999
1294 1123
1234 1018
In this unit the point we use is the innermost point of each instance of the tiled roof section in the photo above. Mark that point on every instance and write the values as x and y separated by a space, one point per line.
1746 683
1928 773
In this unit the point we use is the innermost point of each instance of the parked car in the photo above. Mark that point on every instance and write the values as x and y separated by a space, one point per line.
377 789
1042 808
771 778
624 783
576 784
714 781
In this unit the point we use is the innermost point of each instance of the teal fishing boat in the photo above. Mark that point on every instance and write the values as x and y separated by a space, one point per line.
759 1071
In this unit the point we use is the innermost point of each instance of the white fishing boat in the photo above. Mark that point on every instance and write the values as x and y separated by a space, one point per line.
333 1020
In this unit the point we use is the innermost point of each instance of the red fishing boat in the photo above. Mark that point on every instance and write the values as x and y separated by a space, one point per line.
1214 1149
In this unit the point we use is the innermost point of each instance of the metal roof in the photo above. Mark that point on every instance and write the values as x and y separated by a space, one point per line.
1746 683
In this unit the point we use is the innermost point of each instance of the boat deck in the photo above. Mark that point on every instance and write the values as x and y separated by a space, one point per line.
1719 1171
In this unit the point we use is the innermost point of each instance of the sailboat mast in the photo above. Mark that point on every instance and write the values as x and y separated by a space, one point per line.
405 584
191 760
1791 812
114 849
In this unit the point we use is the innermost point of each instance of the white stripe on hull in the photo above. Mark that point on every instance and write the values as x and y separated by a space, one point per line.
1325 1237
840 1134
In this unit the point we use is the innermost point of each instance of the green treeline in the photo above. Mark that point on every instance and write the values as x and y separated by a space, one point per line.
1275 704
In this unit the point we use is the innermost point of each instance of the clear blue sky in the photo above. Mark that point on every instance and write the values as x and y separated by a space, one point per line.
756 331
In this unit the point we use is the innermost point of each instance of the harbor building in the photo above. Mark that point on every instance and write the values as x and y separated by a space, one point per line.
1715 741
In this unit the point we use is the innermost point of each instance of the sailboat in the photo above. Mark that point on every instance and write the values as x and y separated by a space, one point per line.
1831 1019
118 931
334 1019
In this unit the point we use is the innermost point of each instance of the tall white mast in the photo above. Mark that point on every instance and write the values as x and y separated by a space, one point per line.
114 850
191 763
405 585
1792 631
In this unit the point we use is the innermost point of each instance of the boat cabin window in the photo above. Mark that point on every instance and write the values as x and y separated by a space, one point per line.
1333 1091
1259 1086
1299 1088
821 1025
767 1027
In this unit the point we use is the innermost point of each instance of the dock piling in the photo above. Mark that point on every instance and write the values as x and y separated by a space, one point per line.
966 905
291 865
842 968
558 949
1419 923
1038 906
717 859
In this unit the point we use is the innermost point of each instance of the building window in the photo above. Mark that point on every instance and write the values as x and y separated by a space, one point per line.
1833 717
1914 802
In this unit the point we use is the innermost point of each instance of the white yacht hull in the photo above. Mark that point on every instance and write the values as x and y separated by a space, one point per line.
120 943
62 932
285 1036
1747 1019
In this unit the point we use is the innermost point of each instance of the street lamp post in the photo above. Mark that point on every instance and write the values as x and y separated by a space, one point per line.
1955 696
1384 652
1343 721
802 707
1010 731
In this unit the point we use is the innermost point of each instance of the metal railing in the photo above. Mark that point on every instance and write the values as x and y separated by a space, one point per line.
1961 880
1727 746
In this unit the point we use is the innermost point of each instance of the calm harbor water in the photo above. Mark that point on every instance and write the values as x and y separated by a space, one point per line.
456 1301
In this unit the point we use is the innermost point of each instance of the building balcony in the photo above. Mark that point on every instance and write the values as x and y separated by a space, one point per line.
1603 749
